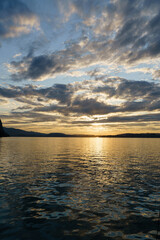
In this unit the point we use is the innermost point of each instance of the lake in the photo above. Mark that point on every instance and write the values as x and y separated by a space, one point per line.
79 188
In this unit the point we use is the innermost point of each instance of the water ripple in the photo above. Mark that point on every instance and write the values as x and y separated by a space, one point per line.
58 188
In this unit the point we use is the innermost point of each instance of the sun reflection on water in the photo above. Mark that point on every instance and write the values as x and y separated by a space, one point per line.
94 187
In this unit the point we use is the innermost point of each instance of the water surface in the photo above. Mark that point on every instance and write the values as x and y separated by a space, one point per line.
79 188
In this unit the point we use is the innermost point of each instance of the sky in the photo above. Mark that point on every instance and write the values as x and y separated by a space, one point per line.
80 66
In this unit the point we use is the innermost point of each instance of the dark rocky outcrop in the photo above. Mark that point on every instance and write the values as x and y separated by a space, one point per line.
2 132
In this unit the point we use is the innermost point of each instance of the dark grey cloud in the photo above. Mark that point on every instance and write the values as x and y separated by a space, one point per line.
63 93
93 107
90 106
126 31
139 119
138 36
15 19
108 90
30 117
16 91
120 31
137 89
41 67
134 37
135 106
89 98
123 32
80 107
60 92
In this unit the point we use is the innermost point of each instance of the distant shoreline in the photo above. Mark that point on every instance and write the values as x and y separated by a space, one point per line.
72 136
12 132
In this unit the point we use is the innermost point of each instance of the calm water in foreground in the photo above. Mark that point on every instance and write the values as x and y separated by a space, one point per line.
79 188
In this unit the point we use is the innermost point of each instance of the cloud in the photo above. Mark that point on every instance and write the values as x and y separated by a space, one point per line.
16 19
154 71
139 119
15 91
29 117
118 88
113 32
17 55
122 33
80 107
109 36
126 30
156 74
91 101
2 101
60 92
136 89
38 68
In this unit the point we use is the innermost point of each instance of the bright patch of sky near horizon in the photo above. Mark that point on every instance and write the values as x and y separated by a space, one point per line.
84 66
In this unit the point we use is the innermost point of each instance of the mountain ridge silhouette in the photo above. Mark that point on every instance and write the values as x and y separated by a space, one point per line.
13 132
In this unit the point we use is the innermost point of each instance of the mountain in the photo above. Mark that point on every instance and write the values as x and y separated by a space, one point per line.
13 132
135 135
57 135
2 131
139 135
